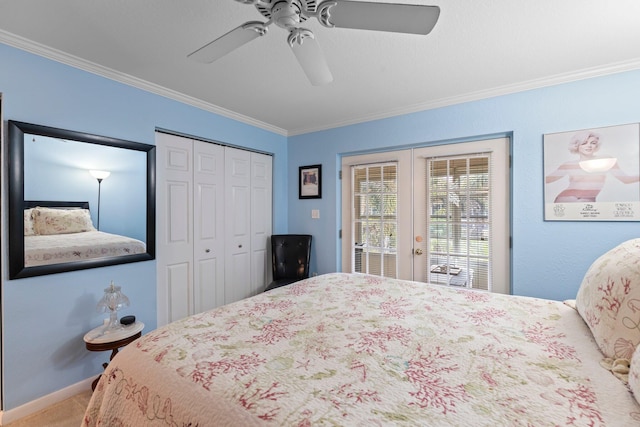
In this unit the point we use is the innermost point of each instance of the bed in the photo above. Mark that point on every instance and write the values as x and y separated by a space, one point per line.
359 350
58 232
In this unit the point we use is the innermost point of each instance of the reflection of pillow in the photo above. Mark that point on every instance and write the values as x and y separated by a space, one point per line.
29 229
61 221
634 374
609 300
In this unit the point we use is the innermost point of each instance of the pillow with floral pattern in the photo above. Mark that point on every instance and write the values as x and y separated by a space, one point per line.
29 229
49 221
609 300
634 374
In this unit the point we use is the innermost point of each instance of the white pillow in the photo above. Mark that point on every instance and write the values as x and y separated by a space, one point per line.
61 221
609 300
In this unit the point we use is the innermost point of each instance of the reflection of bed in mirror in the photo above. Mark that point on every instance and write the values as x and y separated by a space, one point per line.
58 232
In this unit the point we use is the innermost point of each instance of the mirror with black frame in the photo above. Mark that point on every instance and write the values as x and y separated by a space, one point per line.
77 200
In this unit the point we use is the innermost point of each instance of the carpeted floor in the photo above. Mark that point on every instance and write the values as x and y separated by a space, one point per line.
67 413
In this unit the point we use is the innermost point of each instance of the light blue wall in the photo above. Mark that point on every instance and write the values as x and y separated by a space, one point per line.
549 258
45 318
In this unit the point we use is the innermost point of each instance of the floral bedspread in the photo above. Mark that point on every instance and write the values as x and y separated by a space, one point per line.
358 350
59 248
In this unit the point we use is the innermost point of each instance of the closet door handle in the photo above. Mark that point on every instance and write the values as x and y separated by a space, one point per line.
239 246
207 250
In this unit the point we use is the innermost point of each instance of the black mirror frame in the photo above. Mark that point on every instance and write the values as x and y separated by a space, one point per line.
17 269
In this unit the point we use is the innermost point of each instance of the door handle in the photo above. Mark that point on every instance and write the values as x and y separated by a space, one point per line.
418 251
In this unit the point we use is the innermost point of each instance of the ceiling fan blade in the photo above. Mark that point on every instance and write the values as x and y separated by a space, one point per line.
310 56
398 18
228 42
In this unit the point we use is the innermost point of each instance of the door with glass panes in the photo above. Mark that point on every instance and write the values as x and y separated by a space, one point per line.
435 214
376 226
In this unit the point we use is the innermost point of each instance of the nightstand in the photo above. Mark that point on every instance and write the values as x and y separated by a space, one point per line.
99 340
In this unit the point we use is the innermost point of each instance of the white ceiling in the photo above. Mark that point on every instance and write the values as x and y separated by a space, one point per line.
478 49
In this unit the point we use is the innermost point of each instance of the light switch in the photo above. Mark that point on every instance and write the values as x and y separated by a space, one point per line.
315 213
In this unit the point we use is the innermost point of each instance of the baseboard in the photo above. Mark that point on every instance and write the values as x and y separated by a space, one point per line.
50 399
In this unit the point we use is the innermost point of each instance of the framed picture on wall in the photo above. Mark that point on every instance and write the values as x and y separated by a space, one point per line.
593 174
310 182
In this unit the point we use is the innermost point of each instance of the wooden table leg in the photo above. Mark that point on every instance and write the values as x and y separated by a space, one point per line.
114 346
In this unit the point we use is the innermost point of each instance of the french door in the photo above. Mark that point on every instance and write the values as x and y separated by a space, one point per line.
376 226
461 215
435 214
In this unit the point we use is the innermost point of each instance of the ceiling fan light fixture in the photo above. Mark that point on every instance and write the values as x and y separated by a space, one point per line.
286 14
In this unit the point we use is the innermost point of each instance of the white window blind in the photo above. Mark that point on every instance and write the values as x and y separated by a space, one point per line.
374 219
459 220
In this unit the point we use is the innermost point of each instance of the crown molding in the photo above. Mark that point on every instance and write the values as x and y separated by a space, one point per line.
558 79
65 58
91 67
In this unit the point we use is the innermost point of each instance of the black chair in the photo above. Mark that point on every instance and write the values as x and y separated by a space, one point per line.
290 255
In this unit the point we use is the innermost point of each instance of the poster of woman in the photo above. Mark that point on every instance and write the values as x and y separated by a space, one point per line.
593 174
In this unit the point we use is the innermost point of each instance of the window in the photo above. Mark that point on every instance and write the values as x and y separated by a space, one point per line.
458 200
375 219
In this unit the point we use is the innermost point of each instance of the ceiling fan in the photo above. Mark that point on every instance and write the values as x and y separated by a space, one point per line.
289 14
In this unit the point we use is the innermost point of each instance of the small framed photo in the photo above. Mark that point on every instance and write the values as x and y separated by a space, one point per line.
310 182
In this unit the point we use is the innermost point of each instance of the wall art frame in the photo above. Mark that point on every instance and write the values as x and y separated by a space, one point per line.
592 174
310 182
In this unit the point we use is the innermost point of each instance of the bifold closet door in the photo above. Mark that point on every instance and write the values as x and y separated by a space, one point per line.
214 224
261 220
248 184
208 226
174 198
238 225
190 226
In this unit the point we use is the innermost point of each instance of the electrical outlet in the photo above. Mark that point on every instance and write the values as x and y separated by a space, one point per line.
315 213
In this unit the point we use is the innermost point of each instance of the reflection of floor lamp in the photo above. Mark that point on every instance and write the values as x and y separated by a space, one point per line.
99 175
